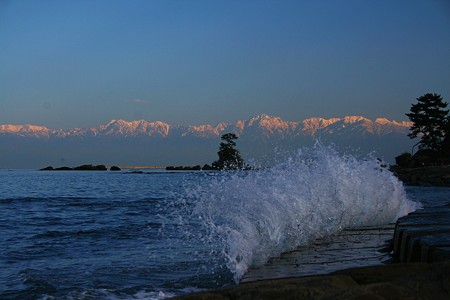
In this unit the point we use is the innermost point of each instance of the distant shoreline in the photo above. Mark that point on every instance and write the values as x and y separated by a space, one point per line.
423 176
89 167
141 167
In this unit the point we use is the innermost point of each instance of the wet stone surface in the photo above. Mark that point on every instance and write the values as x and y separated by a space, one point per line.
355 247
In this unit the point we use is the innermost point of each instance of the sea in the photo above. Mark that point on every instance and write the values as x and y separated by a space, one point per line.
155 234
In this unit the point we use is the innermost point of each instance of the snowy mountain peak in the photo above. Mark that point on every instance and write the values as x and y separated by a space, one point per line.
384 121
9 128
22 128
311 125
221 126
134 128
268 122
26 130
259 118
355 119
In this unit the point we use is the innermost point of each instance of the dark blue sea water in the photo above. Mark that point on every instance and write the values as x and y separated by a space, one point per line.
97 235
156 234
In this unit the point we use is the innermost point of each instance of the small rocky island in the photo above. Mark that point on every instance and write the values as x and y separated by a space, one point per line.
82 168
229 158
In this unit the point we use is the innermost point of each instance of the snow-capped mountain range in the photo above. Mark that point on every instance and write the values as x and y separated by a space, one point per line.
159 143
266 125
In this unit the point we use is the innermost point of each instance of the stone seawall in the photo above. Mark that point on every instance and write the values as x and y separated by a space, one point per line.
423 236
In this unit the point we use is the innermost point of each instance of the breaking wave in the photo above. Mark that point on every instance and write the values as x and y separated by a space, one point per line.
254 215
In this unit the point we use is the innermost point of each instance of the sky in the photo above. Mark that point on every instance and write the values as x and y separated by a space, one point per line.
67 64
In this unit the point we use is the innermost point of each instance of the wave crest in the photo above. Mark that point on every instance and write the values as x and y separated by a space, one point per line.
312 194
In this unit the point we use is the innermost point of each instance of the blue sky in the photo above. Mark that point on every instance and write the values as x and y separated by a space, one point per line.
66 64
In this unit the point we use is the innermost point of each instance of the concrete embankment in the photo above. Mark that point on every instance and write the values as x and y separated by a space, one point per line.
421 244
423 236
353 247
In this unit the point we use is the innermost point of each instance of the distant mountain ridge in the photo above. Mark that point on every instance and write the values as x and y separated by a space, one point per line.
141 142
267 125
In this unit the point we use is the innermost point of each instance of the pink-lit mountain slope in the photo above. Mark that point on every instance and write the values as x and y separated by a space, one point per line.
263 125
159 143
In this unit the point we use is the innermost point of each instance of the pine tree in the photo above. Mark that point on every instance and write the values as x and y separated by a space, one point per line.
446 141
229 157
429 118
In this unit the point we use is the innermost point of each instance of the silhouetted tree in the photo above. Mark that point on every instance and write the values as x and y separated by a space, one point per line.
403 159
229 157
430 119
445 146
446 141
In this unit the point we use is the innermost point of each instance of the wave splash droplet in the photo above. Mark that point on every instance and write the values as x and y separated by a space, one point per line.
317 192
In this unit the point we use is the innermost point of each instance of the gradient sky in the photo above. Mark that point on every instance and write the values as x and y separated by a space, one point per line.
66 64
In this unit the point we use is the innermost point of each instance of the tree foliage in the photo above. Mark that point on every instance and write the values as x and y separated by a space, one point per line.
229 156
430 121
403 159
446 141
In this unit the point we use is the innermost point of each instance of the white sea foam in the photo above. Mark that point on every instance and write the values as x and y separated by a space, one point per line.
314 193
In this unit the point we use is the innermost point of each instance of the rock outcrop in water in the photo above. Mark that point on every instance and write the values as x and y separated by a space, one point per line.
79 168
